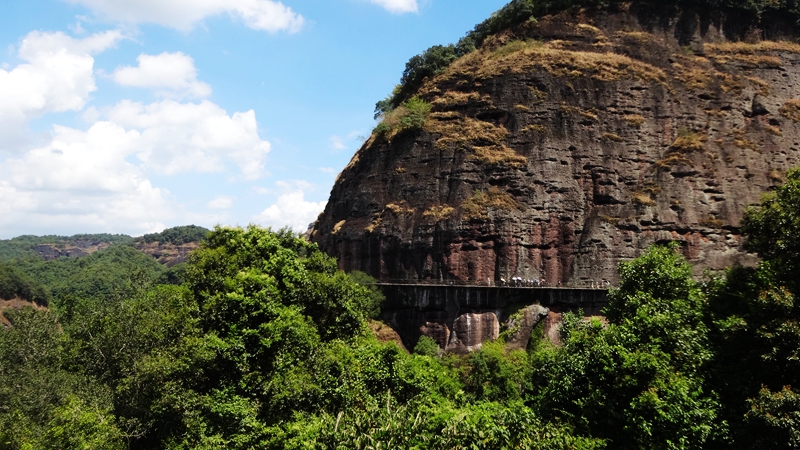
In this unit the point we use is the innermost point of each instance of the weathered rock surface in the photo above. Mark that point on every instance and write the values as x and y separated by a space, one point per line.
80 249
167 253
558 157
521 326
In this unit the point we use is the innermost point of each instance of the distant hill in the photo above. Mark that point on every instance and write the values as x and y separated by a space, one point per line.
38 270
53 247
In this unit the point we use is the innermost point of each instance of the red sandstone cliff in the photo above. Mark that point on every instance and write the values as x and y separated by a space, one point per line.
569 144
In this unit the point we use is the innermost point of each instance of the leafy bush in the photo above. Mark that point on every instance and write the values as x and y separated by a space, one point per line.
373 308
410 115
426 346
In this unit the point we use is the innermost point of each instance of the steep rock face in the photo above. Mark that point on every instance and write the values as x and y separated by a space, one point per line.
81 248
167 253
567 145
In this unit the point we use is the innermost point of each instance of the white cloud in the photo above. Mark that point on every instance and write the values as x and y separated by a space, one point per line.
81 181
221 202
291 208
170 74
57 76
337 143
268 15
328 170
90 180
398 6
193 137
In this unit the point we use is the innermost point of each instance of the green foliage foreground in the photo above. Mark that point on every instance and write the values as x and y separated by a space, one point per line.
265 346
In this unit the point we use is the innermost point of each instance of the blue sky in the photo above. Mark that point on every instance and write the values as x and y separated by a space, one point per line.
129 116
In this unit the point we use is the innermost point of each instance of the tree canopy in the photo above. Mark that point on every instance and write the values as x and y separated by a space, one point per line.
266 344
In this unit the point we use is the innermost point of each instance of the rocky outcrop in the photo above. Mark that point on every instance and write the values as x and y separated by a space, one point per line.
167 253
79 249
569 144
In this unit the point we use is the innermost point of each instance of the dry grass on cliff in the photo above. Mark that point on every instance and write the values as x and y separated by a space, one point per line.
791 110
534 128
400 209
674 159
638 36
482 202
634 120
499 155
587 115
377 221
751 54
773 130
698 74
338 227
741 141
613 137
451 99
526 56
439 212
645 195
711 222
689 141
744 48
777 176
763 86
462 132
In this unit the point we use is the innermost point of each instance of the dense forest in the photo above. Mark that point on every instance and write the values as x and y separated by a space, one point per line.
266 345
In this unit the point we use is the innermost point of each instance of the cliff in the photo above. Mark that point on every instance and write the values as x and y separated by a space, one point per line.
568 144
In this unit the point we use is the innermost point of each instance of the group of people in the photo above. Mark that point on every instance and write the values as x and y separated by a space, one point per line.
605 284
520 282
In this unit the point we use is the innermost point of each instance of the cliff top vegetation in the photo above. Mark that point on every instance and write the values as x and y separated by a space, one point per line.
437 58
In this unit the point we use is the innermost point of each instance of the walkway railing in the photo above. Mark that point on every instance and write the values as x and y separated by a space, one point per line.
522 283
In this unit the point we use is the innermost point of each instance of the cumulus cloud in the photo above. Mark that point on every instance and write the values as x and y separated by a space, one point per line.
269 15
81 180
178 137
398 6
169 74
291 209
57 76
221 202
337 143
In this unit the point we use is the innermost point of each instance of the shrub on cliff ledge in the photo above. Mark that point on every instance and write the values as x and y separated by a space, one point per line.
408 116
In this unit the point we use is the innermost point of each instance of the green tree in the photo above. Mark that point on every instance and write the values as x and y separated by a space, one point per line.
14 284
773 230
755 319
426 346
638 380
